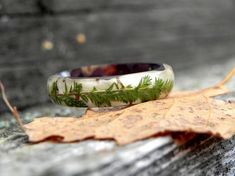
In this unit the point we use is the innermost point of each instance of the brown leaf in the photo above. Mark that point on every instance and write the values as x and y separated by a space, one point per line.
199 114
187 111
70 128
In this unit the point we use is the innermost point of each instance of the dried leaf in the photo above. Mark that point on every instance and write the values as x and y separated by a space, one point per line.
70 128
199 114
181 112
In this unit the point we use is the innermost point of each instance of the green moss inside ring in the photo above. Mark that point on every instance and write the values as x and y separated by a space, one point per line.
111 85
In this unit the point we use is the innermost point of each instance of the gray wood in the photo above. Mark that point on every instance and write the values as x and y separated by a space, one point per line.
180 33
19 7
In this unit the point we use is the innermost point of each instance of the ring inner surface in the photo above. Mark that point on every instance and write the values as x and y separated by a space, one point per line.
114 69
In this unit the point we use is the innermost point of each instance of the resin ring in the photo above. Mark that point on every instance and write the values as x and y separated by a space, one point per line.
112 85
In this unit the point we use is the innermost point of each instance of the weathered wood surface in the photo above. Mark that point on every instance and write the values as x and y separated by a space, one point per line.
115 30
196 37
160 156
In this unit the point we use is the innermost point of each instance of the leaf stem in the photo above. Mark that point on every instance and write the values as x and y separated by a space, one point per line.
12 109
227 78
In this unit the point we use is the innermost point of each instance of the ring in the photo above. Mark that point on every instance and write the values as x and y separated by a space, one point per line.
114 85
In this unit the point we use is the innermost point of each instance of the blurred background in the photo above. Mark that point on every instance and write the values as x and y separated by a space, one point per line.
41 37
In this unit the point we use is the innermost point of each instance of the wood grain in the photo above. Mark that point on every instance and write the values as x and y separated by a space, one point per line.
182 33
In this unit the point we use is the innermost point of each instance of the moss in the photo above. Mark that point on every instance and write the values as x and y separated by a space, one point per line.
145 91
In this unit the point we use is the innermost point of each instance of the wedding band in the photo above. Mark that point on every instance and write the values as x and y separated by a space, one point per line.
112 85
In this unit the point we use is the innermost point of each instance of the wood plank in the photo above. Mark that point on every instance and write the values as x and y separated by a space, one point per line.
181 35
19 7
